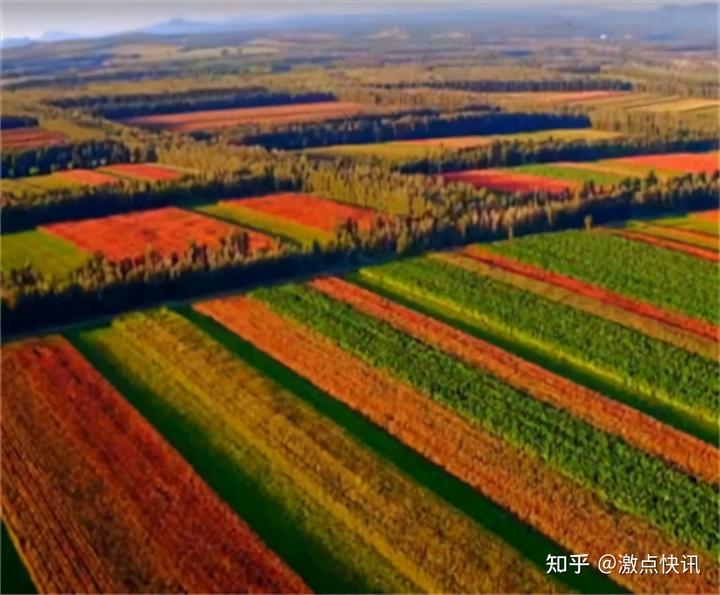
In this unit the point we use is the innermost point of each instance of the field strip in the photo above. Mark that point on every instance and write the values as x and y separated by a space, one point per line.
706 331
656 373
684 236
598 307
711 255
550 433
367 498
121 495
687 453
267 223
667 279
540 496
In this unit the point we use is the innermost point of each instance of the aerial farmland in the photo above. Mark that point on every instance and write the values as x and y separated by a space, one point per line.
377 299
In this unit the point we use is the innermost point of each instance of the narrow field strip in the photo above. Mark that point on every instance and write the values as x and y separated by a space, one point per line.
113 507
685 236
681 450
653 370
410 539
660 494
517 480
669 244
236 213
667 279
684 324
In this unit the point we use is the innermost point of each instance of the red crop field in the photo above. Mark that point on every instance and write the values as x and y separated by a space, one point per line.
307 210
143 171
688 453
226 118
505 181
102 502
86 177
30 138
697 251
691 325
167 231
684 162
535 492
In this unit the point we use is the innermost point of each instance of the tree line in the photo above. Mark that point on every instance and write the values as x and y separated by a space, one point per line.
87 154
519 85
102 287
8 122
519 152
115 107
387 127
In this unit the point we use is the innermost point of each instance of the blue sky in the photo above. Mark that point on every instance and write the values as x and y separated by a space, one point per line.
98 17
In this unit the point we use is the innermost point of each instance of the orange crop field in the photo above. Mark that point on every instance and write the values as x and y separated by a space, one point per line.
544 498
30 138
506 181
167 231
143 171
686 452
692 325
102 502
307 210
683 162
712 216
697 251
86 177
226 118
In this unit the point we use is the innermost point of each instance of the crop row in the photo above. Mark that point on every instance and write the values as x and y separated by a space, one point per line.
687 453
627 477
100 501
583 297
373 520
651 368
669 244
518 481
661 277
686 236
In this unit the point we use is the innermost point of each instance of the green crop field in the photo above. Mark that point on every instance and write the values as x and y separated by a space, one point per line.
43 251
570 173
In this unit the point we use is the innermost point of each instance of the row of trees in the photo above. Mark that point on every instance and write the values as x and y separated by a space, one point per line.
510 153
88 154
223 172
8 122
141 104
31 300
386 127
520 85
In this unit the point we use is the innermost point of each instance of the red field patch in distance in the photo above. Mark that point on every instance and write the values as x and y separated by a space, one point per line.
143 171
30 138
87 177
167 231
225 118
308 210
686 162
505 181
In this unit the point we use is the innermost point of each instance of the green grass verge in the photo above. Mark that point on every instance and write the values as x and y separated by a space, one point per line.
14 577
